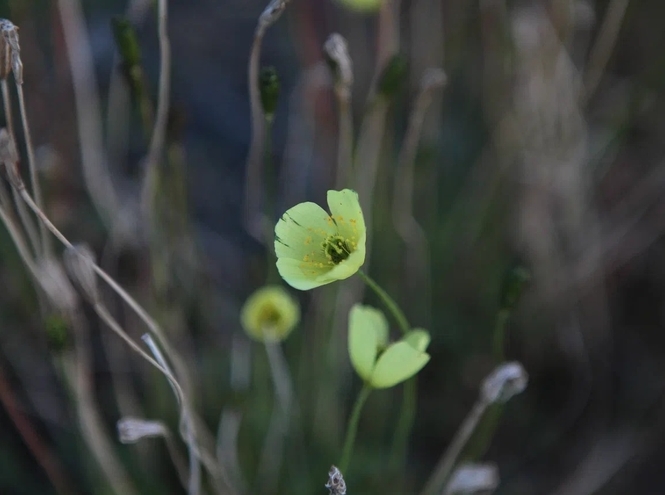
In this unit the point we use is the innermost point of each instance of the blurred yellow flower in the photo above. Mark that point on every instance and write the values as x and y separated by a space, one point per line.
362 5
314 248
270 314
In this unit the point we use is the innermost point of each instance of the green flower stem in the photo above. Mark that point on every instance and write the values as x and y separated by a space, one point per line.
352 427
500 335
407 417
409 397
388 301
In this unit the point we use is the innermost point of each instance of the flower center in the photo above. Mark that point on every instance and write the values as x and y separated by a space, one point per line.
269 316
336 249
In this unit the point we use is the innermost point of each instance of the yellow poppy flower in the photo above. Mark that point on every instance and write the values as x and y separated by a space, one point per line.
314 248
362 5
270 314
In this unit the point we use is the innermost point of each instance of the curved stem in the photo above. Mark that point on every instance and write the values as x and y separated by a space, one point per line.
445 466
390 303
352 427
407 417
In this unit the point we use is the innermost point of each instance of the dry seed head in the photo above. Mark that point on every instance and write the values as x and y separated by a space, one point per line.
433 78
336 483
131 430
337 50
507 380
10 51
270 15
473 478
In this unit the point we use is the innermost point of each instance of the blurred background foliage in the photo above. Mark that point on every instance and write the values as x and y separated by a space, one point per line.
537 154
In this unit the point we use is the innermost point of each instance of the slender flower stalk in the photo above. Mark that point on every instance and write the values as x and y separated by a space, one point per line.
352 428
390 303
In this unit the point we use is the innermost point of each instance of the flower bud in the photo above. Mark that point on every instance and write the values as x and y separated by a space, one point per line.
126 42
393 76
269 89
513 285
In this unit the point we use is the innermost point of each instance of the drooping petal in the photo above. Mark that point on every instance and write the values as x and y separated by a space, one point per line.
347 214
398 363
418 338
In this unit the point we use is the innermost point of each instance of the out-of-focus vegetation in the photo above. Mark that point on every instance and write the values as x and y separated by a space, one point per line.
540 159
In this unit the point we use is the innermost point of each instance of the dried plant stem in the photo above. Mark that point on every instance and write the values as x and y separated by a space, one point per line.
25 218
176 458
417 270
231 417
602 48
336 49
254 181
95 172
272 454
186 424
152 325
19 242
32 165
345 146
433 79
158 139
112 323
78 373
445 466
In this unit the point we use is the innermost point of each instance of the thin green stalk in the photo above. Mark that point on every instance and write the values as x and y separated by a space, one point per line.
409 397
390 303
500 335
407 416
352 427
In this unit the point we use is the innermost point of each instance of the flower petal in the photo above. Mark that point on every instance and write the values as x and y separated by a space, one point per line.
368 330
398 363
301 275
418 338
347 214
300 232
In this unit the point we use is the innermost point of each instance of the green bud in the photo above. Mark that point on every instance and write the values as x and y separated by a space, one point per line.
57 332
513 285
269 88
393 76
126 42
